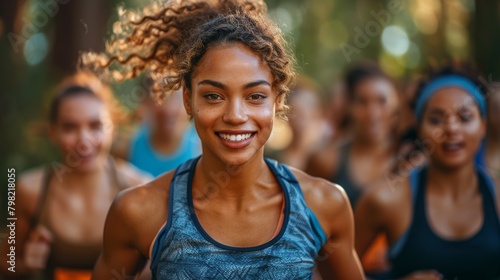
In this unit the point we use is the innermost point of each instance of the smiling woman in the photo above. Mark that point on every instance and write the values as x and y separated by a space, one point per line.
447 222
61 207
230 213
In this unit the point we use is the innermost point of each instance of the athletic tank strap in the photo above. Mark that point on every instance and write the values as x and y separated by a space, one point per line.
416 178
285 173
160 236
490 188
47 176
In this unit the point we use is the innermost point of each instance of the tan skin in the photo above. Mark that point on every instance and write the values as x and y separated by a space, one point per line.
493 138
79 196
454 204
231 92
372 113
168 123
307 127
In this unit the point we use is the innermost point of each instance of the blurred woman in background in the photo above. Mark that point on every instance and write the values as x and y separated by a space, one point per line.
368 155
164 139
442 222
61 207
308 128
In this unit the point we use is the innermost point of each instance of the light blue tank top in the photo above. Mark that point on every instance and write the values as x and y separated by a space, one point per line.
144 157
183 250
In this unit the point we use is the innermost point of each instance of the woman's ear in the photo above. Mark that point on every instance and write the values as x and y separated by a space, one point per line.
186 98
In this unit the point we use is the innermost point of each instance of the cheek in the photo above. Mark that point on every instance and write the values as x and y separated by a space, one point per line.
67 139
432 134
474 130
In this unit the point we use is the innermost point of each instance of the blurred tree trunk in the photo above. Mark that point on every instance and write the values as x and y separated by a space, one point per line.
80 25
485 37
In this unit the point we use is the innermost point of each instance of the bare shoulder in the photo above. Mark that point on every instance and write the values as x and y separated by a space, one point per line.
144 200
29 185
139 212
131 174
326 200
386 195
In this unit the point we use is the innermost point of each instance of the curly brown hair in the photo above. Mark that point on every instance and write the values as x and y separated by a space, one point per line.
168 42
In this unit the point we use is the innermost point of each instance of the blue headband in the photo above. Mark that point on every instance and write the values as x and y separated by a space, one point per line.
449 81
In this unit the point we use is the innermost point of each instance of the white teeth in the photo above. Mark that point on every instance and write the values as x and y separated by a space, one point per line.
235 138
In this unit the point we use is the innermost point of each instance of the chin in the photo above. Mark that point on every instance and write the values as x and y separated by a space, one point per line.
454 163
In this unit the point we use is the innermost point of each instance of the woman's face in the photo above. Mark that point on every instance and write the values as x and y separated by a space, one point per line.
232 103
169 117
373 108
83 131
452 122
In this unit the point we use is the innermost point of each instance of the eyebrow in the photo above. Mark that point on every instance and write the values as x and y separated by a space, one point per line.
222 86
436 111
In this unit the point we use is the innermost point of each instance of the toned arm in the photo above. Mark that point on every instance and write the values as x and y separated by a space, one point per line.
337 259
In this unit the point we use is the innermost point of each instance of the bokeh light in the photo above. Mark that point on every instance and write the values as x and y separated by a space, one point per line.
395 40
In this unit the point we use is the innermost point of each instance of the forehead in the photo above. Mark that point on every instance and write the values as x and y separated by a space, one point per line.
451 98
375 85
232 64
81 108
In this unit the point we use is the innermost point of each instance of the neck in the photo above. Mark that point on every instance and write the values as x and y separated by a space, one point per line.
82 180
165 141
455 181
229 182
371 147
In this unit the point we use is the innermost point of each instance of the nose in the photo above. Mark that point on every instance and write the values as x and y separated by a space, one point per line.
85 140
235 112
452 124
374 112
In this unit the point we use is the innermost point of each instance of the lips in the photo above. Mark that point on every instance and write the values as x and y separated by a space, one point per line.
452 147
235 139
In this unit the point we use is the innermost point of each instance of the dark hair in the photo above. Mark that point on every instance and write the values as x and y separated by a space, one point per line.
466 70
83 83
170 41
360 73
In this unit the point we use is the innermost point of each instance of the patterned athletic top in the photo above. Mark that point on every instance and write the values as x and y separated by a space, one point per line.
183 250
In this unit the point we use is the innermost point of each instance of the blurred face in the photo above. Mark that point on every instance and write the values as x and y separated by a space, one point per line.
373 108
170 116
304 110
452 122
83 131
232 103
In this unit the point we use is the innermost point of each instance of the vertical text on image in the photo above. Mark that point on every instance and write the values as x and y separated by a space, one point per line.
11 218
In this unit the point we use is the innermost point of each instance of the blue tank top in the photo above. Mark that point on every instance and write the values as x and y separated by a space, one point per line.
183 250
144 157
473 258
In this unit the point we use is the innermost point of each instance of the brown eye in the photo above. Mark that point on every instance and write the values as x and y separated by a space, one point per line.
96 125
68 127
257 96
212 96
434 120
